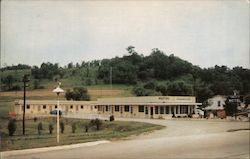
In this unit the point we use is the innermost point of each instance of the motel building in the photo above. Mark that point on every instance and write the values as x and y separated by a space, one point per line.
128 107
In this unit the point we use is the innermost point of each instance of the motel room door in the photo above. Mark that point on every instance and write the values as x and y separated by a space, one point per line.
151 112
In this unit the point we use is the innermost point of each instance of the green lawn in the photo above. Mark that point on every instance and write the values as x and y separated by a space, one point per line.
109 130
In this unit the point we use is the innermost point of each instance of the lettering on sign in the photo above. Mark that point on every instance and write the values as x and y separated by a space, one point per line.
163 98
183 98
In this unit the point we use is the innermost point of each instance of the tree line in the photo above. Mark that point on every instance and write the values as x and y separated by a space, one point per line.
155 74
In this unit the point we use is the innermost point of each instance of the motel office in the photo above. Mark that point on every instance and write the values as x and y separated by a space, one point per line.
128 107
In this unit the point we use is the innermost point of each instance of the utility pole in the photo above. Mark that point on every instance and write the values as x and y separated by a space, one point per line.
0 70
25 80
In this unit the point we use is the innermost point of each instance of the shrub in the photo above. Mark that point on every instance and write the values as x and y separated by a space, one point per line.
12 127
62 127
51 128
111 118
78 93
97 122
73 126
39 127
140 91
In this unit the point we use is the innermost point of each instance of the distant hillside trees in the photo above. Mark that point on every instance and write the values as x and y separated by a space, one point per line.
155 74
133 67
168 88
183 77
16 67
8 81
47 71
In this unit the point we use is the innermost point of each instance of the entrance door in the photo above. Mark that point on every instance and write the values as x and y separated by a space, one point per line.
152 112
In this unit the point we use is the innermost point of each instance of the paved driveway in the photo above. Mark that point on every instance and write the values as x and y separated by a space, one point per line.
180 139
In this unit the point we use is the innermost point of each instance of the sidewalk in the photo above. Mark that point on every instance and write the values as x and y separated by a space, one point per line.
46 149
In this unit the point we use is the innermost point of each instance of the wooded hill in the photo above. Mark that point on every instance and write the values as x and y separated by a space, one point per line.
156 74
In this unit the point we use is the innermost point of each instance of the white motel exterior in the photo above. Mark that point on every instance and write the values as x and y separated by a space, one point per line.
128 107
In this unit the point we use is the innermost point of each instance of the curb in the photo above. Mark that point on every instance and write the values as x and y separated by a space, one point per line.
46 149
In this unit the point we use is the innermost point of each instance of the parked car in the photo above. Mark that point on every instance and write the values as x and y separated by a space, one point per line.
54 112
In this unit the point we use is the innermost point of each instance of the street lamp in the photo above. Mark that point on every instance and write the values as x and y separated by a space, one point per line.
58 90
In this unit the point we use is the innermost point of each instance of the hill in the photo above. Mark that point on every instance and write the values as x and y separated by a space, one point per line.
131 74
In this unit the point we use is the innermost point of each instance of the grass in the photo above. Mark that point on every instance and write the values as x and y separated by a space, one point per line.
78 79
109 131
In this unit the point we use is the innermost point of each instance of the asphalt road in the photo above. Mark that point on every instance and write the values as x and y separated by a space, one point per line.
180 139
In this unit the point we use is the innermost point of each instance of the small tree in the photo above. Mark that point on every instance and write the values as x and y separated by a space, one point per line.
51 128
73 126
35 119
62 127
86 127
39 127
98 123
12 127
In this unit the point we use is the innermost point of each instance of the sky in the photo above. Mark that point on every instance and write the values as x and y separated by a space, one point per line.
203 32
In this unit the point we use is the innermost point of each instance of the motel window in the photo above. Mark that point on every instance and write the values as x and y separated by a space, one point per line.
156 110
218 103
107 108
28 106
71 107
161 110
141 108
167 109
117 108
81 106
99 108
146 110
184 109
44 106
55 106
126 108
